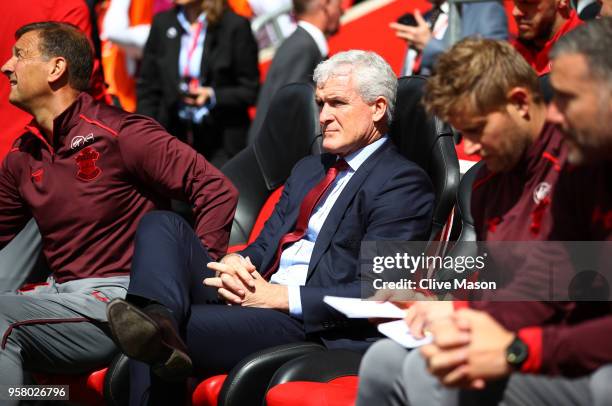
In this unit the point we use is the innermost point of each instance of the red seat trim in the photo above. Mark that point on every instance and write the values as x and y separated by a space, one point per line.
265 213
337 392
262 217
86 389
207 392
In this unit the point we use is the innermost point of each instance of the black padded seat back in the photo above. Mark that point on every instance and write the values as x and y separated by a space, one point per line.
288 134
317 144
116 386
247 176
427 141
464 203
464 246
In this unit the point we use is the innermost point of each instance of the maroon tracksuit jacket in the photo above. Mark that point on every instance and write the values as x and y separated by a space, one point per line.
580 343
90 186
533 202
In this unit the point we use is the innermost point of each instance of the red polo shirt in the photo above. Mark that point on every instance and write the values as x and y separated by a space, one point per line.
538 57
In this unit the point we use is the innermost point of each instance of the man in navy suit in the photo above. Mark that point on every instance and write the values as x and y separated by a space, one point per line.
308 248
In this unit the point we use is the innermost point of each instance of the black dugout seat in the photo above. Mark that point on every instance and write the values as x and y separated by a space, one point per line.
288 134
465 245
464 204
427 141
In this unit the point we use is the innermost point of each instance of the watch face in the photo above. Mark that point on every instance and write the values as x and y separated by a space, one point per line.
517 352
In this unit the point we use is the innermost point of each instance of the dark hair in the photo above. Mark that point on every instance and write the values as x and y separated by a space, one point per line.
592 40
67 41
214 10
302 6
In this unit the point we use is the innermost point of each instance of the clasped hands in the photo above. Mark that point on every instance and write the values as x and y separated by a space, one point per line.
468 348
239 283
197 95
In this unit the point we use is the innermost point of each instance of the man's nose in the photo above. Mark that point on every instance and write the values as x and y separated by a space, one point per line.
553 114
516 12
324 114
7 68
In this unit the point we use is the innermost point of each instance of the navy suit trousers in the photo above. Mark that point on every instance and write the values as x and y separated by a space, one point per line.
169 267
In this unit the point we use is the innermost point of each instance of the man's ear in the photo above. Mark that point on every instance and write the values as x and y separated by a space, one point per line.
379 108
519 98
58 68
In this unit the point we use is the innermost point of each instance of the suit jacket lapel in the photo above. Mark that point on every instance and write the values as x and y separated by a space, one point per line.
337 212
210 43
327 160
171 60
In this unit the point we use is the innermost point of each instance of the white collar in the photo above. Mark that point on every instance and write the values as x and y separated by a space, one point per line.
356 158
182 19
317 35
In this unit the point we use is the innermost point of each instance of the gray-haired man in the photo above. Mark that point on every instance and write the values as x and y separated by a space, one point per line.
361 189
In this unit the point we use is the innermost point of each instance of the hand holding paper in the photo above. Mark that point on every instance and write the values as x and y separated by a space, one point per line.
367 309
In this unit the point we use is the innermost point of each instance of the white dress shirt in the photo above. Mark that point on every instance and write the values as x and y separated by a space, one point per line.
293 266
192 65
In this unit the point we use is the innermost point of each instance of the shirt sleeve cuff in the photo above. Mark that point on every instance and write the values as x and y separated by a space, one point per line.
295 301
532 337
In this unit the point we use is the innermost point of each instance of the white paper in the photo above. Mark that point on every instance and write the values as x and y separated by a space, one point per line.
364 309
398 331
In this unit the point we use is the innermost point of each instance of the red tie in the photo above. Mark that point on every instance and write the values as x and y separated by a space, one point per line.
309 203
416 66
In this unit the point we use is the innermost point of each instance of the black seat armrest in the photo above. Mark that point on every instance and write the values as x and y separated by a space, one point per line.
117 382
318 367
247 382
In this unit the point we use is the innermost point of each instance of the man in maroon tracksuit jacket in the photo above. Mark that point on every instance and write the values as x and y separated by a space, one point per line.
472 347
87 173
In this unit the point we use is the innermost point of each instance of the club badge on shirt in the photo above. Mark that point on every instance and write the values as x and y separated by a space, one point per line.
86 164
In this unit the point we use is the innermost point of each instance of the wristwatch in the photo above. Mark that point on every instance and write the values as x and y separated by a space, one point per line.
516 353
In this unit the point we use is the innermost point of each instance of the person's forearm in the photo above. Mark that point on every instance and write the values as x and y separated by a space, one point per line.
570 350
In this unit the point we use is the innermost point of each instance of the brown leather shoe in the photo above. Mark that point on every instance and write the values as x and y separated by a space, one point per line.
149 335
